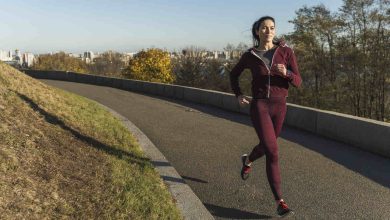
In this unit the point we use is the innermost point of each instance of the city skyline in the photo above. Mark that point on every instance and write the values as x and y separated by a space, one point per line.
126 26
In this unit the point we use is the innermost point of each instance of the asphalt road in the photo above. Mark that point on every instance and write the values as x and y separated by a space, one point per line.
321 178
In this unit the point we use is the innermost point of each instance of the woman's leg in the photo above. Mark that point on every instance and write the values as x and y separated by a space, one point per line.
264 126
258 151
278 109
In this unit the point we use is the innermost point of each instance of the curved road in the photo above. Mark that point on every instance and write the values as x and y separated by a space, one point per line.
321 179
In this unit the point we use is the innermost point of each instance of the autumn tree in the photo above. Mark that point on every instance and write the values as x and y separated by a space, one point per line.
151 65
60 62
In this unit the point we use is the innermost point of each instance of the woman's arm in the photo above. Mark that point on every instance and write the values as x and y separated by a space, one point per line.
292 71
235 74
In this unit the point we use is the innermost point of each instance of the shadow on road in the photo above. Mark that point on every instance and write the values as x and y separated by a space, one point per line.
172 179
160 163
232 213
194 179
372 166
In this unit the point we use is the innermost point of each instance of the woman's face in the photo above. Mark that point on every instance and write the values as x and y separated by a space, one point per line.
266 31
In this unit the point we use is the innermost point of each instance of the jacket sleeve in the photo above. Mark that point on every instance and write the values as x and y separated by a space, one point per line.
293 75
235 74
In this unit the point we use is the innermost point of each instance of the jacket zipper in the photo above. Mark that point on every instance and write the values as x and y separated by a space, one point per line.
269 71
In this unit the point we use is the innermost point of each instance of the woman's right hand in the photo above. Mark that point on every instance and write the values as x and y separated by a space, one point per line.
243 100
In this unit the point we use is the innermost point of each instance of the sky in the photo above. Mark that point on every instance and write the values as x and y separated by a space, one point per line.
75 26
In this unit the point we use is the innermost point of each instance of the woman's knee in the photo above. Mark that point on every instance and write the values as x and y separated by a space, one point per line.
272 155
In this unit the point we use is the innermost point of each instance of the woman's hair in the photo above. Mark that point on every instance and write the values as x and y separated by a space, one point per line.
256 26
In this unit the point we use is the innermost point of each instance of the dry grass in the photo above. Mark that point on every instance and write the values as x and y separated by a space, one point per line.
62 156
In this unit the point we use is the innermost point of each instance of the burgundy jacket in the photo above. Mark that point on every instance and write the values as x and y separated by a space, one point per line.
267 82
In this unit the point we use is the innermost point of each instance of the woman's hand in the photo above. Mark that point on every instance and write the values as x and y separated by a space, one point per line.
243 100
281 68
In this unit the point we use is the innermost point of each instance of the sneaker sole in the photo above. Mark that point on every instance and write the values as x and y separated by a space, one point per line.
243 175
290 213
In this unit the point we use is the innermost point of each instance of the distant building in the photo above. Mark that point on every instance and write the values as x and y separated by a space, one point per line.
215 55
131 54
17 57
236 54
88 57
5 55
174 54
221 55
28 59
88 54
128 56
17 53
75 55
97 55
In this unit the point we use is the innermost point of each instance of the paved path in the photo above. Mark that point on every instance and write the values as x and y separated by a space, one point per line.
321 179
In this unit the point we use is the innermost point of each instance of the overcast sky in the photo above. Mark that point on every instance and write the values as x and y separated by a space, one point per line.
126 26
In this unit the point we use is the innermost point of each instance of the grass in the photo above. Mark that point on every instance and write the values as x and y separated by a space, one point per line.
62 156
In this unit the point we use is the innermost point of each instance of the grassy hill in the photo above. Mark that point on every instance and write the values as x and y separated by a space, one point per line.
61 155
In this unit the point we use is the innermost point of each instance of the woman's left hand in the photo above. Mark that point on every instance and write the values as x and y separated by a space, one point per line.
281 68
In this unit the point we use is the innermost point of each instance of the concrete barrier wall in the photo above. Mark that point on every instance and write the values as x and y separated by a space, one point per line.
369 135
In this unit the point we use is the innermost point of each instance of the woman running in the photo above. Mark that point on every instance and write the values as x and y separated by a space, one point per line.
273 66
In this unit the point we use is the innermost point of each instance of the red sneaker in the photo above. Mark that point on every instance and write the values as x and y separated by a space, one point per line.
245 170
283 209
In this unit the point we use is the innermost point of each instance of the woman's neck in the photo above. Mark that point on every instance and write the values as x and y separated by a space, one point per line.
266 46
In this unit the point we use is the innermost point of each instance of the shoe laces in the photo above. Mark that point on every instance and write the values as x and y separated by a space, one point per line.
283 205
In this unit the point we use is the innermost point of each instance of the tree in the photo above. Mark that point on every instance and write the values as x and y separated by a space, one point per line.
366 32
242 47
151 65
215 76
316 30
60 62
188 68
229 47
198 68
109 63
343 57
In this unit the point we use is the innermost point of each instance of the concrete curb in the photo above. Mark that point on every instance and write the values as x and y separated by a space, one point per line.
188 203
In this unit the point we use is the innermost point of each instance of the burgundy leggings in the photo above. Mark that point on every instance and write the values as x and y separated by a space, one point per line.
267 117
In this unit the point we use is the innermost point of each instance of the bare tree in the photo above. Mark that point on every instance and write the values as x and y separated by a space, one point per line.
343 57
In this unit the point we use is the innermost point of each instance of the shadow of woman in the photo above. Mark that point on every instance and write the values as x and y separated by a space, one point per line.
233 213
